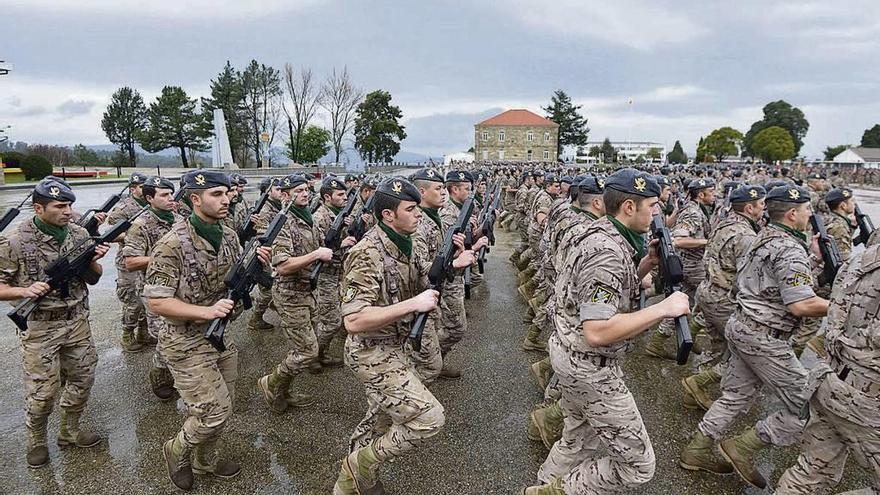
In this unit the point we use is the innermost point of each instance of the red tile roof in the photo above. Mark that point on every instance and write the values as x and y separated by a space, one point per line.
519 117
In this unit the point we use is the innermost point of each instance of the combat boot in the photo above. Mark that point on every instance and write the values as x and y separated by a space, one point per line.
542 371
274 387
817 344
530 315
450 372
524 262
554 488
144 337
69 433
740 451
162 384
548 421
177 461
299 400
207 461
256 323
536 302
531 342
38 452
657 347
699 455
358 474
695 388
130 342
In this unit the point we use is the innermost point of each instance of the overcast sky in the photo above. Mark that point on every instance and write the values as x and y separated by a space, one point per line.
690 66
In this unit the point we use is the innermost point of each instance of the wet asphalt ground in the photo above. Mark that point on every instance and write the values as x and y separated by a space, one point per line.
483 448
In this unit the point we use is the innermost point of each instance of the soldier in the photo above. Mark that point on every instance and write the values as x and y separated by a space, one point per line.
57 351
690 235
667 201
596 324
294 253
261 223
521 215
838 222
774 291
383 285
144 233
334 195
817 188
843 408
726 246
184 285
238 209
135 336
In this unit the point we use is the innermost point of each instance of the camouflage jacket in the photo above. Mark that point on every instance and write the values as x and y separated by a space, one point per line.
123 210
448 216
519 201
296 238
693 223
427 240
140 239
264 217
841 230
324 218
237 216
727 245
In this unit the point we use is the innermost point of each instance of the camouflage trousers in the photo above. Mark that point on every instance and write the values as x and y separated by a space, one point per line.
57 356
839 424
133 315
757 359
297 312
401 412
428 360
599 412
205 380
329 317
154 326
263 300
716 308
453 320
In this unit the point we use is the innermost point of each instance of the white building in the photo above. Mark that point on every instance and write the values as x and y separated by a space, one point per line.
626 150
866 157
458 157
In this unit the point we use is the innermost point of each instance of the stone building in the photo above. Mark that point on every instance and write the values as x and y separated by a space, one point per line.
516 135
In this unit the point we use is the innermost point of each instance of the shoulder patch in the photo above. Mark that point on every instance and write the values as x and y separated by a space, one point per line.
799 279
349 294
602 295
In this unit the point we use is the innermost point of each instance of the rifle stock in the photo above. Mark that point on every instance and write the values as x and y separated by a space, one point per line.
830 253
248 230
333 237
866 227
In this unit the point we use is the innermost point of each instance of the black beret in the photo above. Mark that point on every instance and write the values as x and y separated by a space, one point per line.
789 194
400 188
351 177
773 184
292 180
815 176
537 173
746 193
206 179
54 190
136 178
459 176
240 179
428 174
550 178
698 184
332 182
480 177
370 183
159 183
266 183
591 185
567 179
631 181
662 181
837 195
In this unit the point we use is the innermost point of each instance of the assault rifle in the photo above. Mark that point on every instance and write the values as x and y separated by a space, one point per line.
468 244
243 276
830 253
487 217
441 268
671 275
90 222
333 237
63 270
248 230
866 226
358 227
179 194
11 213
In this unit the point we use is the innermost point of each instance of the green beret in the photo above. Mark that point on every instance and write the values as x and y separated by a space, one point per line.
55 190
789 194
206 179
400 188
159 182
631 181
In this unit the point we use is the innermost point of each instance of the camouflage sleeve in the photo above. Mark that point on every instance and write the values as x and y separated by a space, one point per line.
8 262
793 272
282 247
542 205
117 214
447 218
742 244
841 235
361 283
599 287
687 224
135 241
163 272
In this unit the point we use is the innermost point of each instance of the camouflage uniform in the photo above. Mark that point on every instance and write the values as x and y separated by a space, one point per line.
426 243
133 316
261 223
401 411
775 272
540 205
238 215
185 266
522 218
329 323
598 280
843 410
453 320
57 350
841 230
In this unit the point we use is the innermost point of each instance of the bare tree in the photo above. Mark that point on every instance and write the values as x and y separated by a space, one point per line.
261 88
340 98
303 96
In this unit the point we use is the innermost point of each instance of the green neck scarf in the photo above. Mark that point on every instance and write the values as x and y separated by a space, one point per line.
165 216
752 223
707 210
332 208
403 242
479 198
140 201
456 203
303 213
276 203
433 214
56 232
586 213
636 240
211 232
795 233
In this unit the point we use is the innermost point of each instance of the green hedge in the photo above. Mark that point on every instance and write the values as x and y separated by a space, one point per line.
35 167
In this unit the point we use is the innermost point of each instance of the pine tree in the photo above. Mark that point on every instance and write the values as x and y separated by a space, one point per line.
227 95
677 155
124 119
175 123
377 129
572 125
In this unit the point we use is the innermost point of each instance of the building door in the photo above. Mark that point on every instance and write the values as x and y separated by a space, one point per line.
501 154
529 155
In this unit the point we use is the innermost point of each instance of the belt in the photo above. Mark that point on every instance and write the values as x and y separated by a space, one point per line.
62 314
377 341
855 380
596 359
748 321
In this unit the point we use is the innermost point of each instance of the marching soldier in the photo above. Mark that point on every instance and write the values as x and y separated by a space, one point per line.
261 223
57 351
238 209
295 251
140 239
521 215
841 207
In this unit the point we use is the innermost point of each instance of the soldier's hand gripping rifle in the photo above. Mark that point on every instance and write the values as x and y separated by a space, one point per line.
358 227
64 269
247 272
333 237
490 209
441 268
828 247
11 213
248 230
866 226
90 222
672 275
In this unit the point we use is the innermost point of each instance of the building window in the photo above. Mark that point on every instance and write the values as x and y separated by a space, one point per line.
546 154
501 136
530 136
501 152
546 137
484 136
529 155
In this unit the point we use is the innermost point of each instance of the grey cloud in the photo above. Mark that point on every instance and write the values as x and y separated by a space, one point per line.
72 108
30 111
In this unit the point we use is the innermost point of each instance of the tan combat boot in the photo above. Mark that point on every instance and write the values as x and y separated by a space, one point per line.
548 421
542 371
695 388
130 342
207 461
531 342
274 387
740 451
256 323
162 384
699 455
69 434
554 488
657 347
177 461
359 473
38 452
